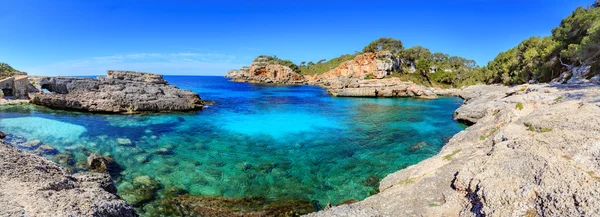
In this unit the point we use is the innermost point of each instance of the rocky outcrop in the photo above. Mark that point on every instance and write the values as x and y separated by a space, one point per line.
531 151
261 71
30 185
362 76
392 87
373 65
576 75
119 92
135 76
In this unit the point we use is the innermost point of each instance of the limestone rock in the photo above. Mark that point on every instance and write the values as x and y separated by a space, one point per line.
119 92
392 87
268 73
135 76
33 186
378 65
537 159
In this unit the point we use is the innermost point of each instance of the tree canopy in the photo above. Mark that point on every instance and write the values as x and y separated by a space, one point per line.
388 44
576 41
275 60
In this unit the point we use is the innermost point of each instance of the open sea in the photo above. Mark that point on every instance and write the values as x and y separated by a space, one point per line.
275 142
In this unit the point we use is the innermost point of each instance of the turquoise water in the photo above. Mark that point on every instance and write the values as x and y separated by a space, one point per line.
276 142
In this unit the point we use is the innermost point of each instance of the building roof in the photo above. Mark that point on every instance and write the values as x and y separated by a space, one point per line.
20 77
7 79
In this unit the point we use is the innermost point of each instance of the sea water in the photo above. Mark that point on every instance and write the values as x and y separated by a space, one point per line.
276 142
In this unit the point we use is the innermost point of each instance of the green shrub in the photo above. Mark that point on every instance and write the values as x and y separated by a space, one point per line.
324 66
519 106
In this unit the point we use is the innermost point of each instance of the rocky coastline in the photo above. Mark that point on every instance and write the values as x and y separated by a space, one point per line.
118 92
362 76
392 87
531 151
31 185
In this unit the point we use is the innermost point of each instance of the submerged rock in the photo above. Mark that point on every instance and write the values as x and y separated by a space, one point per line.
141 190
46 150
100 163
190 205
66 160
124 141
30 145
418 146
2 135
164 151
119 92
34 186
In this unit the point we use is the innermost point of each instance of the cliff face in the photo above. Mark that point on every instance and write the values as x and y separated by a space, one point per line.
531 151
368 65
119 92
363 75
264 72
392 87
34 186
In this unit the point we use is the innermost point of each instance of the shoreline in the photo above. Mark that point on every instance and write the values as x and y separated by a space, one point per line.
447 184
476 171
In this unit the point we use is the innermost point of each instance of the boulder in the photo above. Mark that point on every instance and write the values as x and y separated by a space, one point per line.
100 163
2 135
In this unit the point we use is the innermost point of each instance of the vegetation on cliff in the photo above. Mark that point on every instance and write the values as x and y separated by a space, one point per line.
324 66
7 71
265 59
575 42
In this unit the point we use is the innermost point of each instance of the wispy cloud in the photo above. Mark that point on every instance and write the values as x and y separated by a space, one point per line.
165 63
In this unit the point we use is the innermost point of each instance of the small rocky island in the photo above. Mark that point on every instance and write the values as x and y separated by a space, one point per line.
118 92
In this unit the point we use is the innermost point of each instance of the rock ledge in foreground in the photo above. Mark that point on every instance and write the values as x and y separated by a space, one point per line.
31 185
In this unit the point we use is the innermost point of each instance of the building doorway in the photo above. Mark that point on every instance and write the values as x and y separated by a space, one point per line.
7 91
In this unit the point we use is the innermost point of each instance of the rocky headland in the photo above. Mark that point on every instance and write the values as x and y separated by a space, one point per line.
267 71
31 185
531 150
362 76
118 92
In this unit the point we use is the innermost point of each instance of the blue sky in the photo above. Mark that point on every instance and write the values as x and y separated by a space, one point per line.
209 37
